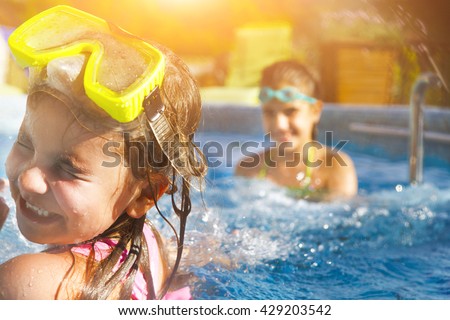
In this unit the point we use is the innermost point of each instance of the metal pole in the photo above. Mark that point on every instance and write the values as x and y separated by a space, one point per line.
416 126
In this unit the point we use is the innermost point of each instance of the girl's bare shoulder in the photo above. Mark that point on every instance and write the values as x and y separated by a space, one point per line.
36 276
339 174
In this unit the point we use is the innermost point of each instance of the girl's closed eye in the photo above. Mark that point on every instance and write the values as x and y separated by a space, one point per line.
68 169
24 142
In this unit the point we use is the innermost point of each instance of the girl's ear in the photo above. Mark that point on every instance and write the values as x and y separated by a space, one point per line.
150 192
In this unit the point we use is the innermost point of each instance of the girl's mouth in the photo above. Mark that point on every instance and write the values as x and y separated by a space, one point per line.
283 138
39 211
35 213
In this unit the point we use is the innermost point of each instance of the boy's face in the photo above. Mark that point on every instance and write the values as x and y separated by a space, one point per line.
63 191
290 123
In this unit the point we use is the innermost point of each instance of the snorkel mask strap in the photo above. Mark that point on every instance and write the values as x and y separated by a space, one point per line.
153 106
176 150
165 135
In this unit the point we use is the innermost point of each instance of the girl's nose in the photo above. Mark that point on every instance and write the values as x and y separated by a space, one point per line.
281 121
32 180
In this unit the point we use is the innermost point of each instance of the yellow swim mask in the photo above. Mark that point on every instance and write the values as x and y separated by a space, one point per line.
63 31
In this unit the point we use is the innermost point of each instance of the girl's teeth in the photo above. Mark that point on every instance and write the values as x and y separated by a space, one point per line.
39 211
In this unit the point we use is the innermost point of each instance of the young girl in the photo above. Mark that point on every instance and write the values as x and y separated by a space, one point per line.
291 112
108 130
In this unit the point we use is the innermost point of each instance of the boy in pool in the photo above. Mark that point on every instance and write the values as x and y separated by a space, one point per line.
291 112
108 130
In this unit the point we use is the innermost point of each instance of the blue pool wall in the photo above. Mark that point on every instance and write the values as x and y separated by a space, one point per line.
371 129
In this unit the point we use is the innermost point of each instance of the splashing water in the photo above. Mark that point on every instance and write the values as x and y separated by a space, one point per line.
386 244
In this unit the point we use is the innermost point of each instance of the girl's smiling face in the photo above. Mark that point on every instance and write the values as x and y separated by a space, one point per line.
290 123
63 192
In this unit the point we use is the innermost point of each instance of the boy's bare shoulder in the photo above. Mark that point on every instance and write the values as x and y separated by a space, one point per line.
250 166
35 276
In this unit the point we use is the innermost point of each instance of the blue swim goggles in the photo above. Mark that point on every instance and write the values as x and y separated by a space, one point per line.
287 94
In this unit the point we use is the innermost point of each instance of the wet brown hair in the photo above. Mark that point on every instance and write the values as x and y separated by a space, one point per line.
293 72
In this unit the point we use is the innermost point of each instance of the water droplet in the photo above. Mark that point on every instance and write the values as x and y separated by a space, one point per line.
399 188
325 226
300 176
361 211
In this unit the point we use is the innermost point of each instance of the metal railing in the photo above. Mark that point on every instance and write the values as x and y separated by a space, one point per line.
416 126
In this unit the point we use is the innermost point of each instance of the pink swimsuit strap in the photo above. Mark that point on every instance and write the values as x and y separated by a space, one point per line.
103 248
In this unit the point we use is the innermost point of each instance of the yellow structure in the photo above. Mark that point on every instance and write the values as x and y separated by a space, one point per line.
257 46
358 73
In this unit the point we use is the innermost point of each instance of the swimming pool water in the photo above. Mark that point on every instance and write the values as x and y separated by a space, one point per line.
253 241
390 242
